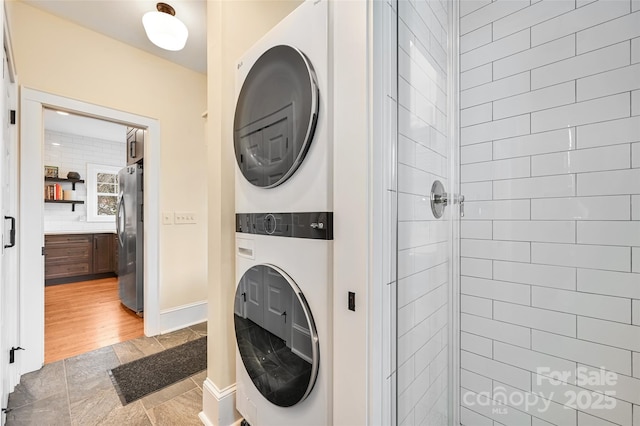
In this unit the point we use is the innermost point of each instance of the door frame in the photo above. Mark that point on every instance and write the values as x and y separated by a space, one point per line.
32 104
10 259
453 216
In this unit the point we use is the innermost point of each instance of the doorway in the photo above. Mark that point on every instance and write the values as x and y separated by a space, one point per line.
33 104
83 158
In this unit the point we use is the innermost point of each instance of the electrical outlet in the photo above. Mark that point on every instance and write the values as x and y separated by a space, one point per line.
185 218
167 218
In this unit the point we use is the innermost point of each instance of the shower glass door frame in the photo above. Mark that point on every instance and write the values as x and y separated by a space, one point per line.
393 29
453 96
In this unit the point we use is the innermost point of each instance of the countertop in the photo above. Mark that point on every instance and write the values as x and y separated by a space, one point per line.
78 232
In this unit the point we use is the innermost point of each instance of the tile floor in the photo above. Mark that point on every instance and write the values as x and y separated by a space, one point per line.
78 390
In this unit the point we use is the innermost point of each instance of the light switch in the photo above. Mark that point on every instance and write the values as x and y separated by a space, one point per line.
167 218
185 218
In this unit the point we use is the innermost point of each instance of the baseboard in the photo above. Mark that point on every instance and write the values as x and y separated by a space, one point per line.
205 421
218 406
78 278
182 316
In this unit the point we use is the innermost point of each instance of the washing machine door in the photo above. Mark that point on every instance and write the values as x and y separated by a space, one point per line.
276 116
276 335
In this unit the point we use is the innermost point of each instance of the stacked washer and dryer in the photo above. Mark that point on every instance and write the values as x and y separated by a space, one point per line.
284 224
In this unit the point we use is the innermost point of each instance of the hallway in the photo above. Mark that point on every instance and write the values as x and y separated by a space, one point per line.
79 391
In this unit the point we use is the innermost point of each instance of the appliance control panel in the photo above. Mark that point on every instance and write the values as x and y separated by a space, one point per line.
313 225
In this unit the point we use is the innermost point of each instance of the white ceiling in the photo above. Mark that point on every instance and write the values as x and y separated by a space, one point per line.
122 20
84 126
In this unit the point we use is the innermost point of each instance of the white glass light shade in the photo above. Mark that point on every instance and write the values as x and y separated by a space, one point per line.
165 31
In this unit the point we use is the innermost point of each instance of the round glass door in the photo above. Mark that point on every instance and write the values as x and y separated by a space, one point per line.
275 116
276 335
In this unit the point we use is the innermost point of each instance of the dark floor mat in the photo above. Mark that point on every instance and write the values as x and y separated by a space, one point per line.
141 377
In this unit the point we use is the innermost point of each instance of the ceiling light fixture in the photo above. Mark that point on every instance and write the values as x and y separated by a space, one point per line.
164 29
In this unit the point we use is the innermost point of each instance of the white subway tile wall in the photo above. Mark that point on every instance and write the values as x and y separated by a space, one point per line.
423 247
550 265
476 76
72 153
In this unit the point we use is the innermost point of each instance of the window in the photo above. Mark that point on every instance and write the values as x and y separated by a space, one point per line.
102 192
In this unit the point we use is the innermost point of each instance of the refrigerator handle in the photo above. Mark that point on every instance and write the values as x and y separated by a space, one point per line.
120 216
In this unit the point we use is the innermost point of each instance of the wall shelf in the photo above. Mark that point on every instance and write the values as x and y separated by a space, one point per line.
72 202
73 186
71 181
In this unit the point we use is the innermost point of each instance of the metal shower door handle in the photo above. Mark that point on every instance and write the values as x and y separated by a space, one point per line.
440 199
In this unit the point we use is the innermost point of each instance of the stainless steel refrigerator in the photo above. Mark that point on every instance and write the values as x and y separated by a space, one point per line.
130 231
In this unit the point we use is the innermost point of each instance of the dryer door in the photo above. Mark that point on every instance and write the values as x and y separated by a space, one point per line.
275 116
278 346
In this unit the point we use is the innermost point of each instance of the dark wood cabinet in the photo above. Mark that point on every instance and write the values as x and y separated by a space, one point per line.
116 252
135 145
102 253
68 255
75 257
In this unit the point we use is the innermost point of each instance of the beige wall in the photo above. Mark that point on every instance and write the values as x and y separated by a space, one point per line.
56 56
233 27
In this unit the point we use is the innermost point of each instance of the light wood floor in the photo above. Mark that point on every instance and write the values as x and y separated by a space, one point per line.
83 316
